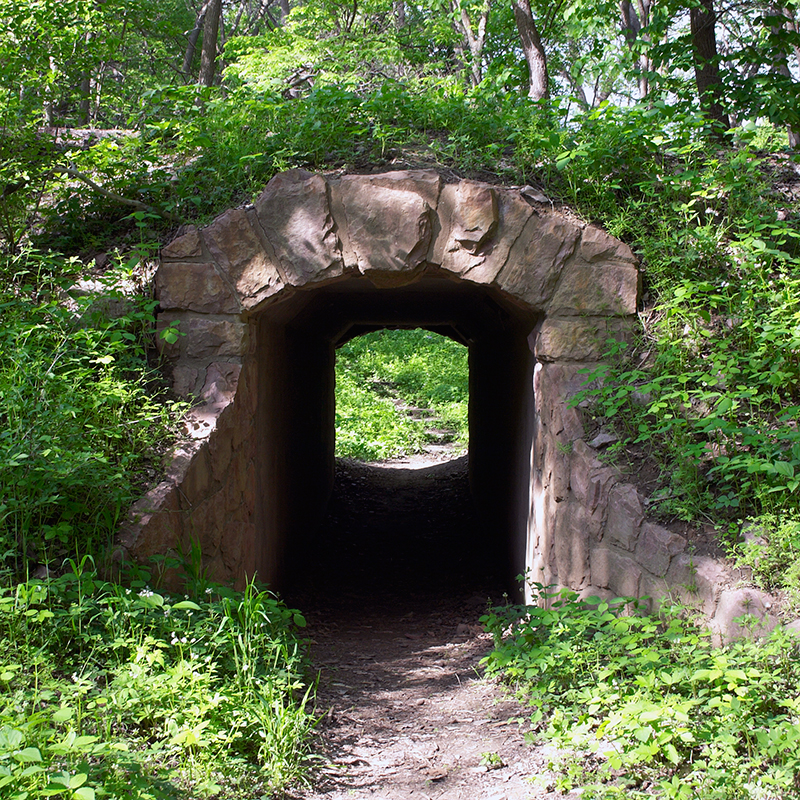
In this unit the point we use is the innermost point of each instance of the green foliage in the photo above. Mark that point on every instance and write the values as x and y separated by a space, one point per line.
772 552
379 375
119 692
712 386
647 705
81 413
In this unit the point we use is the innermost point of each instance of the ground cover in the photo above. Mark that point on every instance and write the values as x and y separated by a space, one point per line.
122 691
398 391
646 705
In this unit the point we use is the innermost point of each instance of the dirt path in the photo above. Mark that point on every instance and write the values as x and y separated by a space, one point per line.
393 615
408 714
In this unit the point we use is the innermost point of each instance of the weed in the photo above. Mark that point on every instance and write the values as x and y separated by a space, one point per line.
657 707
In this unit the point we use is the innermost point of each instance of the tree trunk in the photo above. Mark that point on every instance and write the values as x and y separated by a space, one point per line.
85 90
208 55
633 20
782 66
533 50
399 8
704 54
191 43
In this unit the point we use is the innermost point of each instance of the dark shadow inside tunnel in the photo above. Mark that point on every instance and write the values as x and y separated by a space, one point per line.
343 527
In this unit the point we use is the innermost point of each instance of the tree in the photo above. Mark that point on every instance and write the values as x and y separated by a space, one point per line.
208 55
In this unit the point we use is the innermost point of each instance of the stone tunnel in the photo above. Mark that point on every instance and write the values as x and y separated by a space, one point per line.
259 300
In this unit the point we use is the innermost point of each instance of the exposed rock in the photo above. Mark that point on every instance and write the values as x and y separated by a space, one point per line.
596 290
192 286
625 515
238 250
296 217
656 547
597 245
537 259
742 611
186 246
389 224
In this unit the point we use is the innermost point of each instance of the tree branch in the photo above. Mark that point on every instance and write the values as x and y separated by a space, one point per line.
137 204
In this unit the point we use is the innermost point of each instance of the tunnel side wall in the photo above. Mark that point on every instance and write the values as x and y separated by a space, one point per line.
231 490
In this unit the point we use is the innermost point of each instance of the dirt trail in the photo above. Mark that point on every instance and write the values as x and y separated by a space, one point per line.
393 619
408 714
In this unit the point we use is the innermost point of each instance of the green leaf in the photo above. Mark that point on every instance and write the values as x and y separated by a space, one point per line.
187 604
28 754
78 780
84 793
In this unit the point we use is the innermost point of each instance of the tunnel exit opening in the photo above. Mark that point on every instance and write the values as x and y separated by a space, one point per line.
402 395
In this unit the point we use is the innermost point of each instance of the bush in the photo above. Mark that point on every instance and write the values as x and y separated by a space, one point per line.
83 414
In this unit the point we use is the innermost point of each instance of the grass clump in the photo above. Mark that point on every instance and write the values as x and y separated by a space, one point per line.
647 706
382 375
119 692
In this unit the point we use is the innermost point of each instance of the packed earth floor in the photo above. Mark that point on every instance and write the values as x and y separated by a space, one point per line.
393 620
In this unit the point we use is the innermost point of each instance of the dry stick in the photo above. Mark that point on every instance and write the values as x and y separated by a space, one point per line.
73 173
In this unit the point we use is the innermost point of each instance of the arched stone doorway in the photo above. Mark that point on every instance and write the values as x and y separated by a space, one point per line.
261 297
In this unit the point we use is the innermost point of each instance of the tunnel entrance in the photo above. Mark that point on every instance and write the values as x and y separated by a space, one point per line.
253 306
438 526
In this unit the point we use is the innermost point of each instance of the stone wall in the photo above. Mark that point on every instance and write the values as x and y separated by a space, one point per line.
583 527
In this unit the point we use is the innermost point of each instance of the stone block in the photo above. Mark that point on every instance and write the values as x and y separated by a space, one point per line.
187 246
597 245
194 287
220 450
571 545
553 386
238 250
295 215
203 338
655 589
389 224
624 516
697 581
497 216
537 258
572 339
154 523
656 548
221 382
185 380
198 480
596 290
614 570
735 604
589 480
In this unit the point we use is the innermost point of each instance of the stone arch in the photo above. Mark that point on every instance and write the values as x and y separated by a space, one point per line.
471 254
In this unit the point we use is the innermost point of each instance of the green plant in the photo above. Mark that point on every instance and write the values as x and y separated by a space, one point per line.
651 699
127 692
381 374
82 417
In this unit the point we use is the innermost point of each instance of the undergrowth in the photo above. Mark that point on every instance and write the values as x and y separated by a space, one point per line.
127 692
648 706
82 413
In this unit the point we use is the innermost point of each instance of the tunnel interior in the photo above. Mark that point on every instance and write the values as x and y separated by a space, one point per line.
440 526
